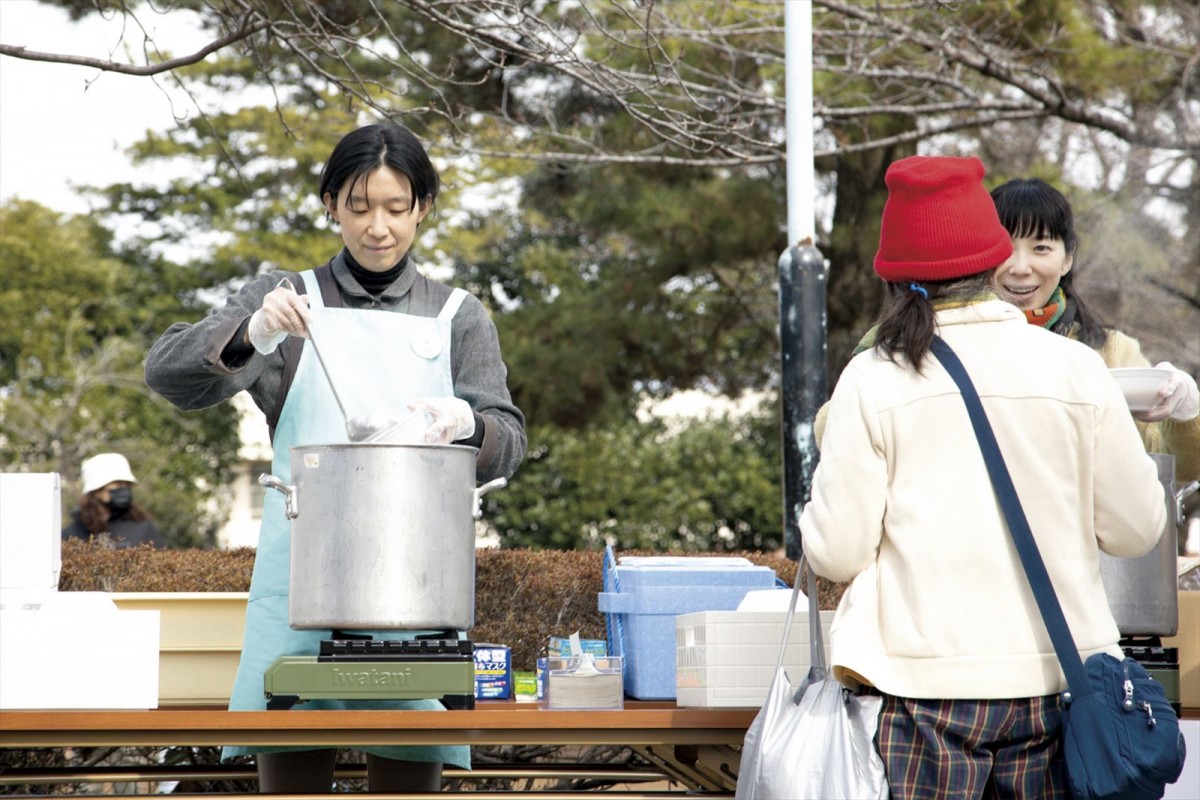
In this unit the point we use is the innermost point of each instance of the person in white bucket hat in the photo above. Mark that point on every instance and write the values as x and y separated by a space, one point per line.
106 507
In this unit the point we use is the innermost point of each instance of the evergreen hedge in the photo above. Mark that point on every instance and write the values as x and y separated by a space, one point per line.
521 596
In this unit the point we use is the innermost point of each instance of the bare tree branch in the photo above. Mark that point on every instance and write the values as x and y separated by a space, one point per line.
247 30
705 86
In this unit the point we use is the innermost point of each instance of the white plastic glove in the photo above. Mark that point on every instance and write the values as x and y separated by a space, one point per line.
453 419
1178 397
283 312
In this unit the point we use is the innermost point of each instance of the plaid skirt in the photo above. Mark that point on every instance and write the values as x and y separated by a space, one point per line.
935 749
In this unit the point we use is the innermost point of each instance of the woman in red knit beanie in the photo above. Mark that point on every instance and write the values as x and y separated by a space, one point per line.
938 618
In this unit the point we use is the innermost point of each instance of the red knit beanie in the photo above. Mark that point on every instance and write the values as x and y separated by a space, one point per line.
939 222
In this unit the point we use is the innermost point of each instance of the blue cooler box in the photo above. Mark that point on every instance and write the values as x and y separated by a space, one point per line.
643 596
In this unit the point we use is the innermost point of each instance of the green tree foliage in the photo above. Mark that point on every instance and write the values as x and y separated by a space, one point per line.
615 191
606 288
625 282
247 178
78 317
709 485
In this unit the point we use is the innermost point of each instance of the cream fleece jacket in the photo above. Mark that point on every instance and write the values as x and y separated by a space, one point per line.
939 606
1179 438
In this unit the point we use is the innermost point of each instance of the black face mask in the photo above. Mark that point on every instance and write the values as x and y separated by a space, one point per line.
120 498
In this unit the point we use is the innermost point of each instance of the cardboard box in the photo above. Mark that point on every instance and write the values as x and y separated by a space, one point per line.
726 659
1188 642
200 643
651 593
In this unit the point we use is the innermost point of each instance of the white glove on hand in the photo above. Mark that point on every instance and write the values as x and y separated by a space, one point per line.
283 312
453 419
1178 397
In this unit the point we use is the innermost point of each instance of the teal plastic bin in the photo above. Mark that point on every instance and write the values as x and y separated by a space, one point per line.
643 596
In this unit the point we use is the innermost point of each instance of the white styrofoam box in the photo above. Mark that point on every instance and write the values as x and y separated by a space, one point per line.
775 599
652 592
30 537
78 651
727 658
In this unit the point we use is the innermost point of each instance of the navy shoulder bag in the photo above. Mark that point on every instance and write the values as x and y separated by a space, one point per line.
1121 738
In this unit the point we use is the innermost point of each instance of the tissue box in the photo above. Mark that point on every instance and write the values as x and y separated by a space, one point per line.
652 592
493 672
573 685
726 659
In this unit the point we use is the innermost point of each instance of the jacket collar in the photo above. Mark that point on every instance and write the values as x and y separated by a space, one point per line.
399 287
986 311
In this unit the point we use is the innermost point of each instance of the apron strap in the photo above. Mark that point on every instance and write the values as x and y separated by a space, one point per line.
452 303
293 346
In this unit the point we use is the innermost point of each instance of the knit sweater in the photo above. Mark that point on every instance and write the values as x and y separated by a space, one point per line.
902 507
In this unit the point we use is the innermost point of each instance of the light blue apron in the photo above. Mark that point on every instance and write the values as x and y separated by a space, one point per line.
380 361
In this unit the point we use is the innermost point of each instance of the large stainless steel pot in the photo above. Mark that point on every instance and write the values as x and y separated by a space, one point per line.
1143 592
383 536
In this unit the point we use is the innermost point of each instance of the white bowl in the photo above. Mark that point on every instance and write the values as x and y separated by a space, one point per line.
1140 385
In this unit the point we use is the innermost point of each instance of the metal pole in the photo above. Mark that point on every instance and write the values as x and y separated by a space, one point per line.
802 321
802 346
798 94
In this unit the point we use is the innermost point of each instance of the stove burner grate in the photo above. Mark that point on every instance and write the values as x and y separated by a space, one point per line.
389 649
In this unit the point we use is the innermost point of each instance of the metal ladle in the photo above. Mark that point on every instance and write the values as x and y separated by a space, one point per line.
358 429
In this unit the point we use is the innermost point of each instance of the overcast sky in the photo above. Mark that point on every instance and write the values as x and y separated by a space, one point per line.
63 126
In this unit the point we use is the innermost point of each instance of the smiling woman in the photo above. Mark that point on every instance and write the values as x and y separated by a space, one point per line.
1038 279
1030 276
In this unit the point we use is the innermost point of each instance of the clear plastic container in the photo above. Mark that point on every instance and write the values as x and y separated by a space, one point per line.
584 682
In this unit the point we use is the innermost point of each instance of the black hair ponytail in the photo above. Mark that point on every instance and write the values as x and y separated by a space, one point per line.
906 325
1079 319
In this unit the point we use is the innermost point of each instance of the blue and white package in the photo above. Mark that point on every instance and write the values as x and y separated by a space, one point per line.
493 672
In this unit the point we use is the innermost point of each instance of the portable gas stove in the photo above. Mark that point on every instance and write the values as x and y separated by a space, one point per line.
353 667
1161 662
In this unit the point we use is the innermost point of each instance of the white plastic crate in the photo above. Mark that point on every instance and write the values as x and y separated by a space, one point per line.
727 658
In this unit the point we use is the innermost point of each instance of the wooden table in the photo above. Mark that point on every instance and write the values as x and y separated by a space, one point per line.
692 747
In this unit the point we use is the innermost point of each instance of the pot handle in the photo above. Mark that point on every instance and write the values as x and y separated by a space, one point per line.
293 505
1183 494
499 483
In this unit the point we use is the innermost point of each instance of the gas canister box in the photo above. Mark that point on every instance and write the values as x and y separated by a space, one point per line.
493 672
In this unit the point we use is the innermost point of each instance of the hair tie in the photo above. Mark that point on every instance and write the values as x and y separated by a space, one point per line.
914 287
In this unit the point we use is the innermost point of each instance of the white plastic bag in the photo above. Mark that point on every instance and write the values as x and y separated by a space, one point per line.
814 742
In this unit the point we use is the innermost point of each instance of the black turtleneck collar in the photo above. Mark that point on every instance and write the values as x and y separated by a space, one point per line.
373 282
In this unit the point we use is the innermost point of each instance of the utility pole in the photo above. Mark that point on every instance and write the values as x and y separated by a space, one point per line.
802 319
